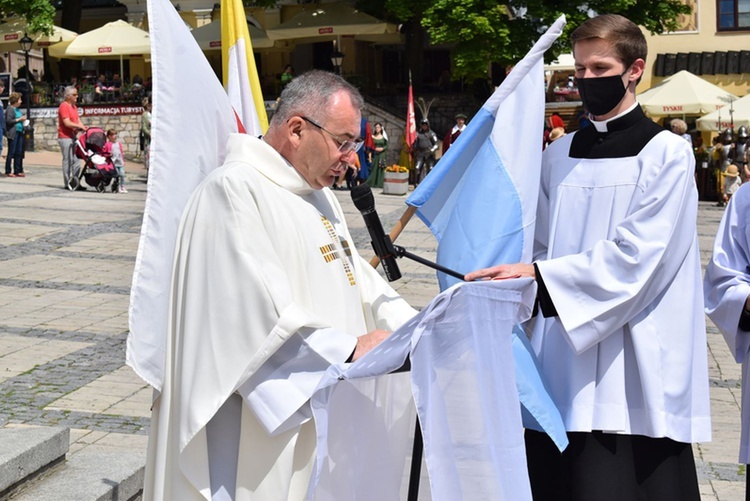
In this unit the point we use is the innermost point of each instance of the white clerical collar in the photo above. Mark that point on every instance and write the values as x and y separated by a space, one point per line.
601 126
266 160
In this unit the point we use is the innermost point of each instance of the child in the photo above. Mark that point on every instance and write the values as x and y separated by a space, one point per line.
115 149
732 182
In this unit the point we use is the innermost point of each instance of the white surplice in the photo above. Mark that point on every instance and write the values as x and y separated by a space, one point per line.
617 249
267 292
726 287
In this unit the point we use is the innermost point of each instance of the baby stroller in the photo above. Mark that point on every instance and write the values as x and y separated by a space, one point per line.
98 169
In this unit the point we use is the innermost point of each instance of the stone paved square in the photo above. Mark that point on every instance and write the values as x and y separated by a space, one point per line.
67 261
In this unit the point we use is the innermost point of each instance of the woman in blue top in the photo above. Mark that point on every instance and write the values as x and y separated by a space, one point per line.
14 132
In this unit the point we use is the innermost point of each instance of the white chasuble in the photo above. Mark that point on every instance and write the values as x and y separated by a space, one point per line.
617 249
267 292
726 287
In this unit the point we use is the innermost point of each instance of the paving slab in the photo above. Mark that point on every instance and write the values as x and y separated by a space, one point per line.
27 451
65 265
91 476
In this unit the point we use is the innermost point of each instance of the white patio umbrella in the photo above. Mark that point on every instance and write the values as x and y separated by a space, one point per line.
564 62
13 30
115 39
208 36
329 21
683 94
721 119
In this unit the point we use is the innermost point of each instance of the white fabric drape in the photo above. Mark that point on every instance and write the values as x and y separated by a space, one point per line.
464 386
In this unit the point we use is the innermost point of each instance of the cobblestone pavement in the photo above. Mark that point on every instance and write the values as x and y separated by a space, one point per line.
66 261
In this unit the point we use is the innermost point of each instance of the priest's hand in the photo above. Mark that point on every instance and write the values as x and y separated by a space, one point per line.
368 341
502 271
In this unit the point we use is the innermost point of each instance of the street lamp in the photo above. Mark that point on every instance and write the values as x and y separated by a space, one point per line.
336 58
26 43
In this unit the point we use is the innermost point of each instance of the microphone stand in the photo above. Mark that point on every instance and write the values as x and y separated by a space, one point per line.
418 448
401 252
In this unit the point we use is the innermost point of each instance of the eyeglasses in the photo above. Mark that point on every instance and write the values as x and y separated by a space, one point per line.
345 145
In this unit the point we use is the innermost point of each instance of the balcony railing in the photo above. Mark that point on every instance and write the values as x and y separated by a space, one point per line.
47 95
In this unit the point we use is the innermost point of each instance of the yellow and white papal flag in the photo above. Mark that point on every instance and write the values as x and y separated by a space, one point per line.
240 74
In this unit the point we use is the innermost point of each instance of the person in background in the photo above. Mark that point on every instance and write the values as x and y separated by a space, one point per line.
116 150
456 130
14 119
555 134
68 125
286 76
146 131
679 127
740 151
723 157
583 119
555 120
423 149
378 161
364 154
2 114
117 85
731 182
620 335
103 88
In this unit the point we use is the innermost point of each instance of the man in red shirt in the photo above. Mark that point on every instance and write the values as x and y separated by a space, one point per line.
68 123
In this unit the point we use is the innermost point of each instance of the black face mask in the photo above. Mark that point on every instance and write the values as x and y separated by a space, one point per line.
600 95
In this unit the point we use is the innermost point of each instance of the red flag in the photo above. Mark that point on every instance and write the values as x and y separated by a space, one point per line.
411 123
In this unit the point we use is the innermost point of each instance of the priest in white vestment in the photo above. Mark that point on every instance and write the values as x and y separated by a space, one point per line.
726 287
267 292
621 334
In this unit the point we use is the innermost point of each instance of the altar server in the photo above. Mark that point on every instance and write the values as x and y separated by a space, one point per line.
727 291
621 334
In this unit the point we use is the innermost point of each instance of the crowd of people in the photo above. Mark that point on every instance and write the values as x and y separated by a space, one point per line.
728 159
70 127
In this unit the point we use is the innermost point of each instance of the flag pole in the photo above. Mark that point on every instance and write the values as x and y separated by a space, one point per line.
410 132
397 229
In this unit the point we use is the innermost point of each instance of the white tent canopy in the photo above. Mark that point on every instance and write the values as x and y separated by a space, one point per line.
721 119
683 94
113 40
564 62
117 38
328 21
208 36
13 30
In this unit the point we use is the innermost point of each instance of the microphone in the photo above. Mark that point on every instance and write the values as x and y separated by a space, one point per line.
364 201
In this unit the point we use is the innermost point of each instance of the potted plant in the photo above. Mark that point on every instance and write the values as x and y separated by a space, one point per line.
87 92
396 180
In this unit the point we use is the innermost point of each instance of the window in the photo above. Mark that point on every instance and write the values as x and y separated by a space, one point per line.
733 15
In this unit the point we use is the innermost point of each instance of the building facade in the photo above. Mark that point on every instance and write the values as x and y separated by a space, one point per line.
713 42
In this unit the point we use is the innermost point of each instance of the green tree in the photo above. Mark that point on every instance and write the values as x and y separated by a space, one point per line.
39 14
483 32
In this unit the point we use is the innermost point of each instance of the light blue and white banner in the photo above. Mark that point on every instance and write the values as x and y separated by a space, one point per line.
480 199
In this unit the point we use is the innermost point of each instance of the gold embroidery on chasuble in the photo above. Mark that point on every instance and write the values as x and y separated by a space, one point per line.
337 249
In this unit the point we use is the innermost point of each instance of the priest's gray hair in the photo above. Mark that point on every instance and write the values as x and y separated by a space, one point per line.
69 90
310 95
